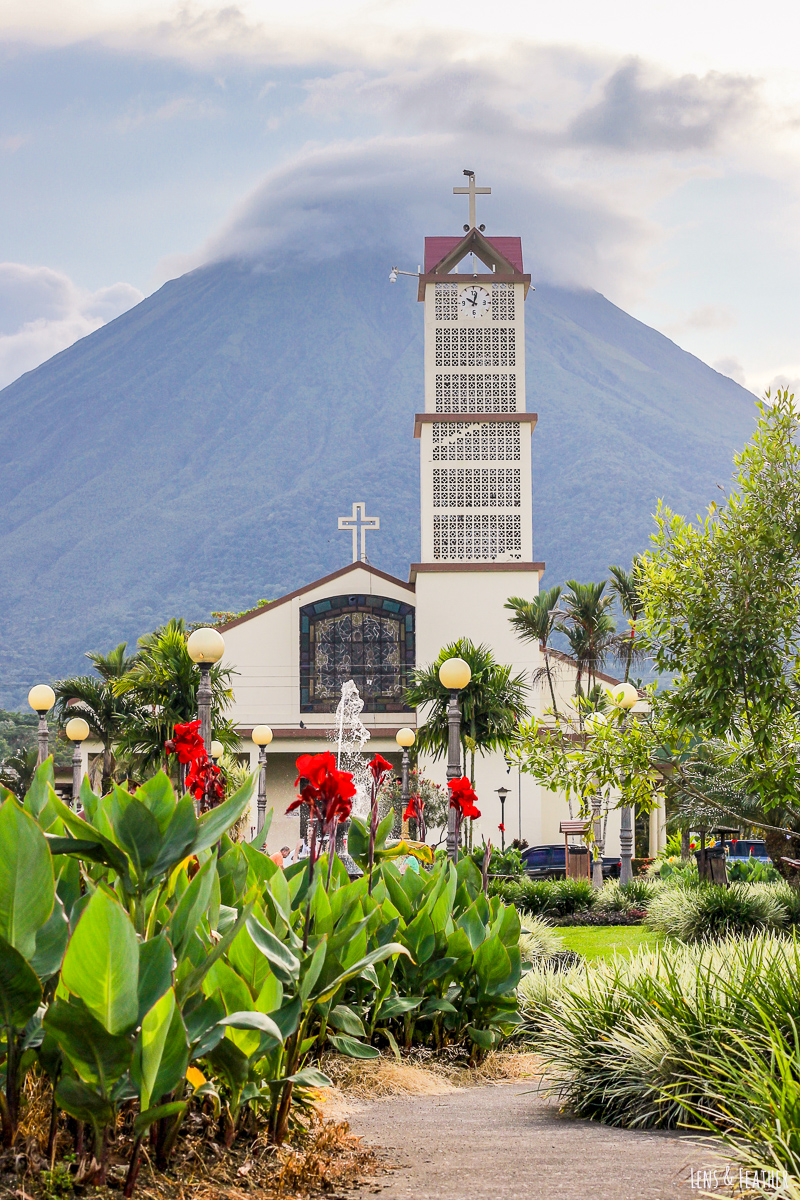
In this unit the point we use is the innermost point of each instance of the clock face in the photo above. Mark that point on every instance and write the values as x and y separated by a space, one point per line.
474 302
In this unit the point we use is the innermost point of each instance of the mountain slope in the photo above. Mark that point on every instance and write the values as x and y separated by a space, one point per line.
195 453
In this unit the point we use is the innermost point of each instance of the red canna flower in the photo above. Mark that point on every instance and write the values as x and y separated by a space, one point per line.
415 812
186 742
314 768
501 827
463 798
379 766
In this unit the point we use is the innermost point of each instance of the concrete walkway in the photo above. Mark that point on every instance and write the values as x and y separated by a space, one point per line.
498 1143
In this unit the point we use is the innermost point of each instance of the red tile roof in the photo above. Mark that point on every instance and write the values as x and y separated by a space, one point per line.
437 247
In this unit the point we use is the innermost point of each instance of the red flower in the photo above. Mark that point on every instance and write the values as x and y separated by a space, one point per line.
463 798
186 742
502 828
414 811
314 768
379 766
328 792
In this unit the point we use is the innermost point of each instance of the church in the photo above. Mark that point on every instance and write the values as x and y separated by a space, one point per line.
292 656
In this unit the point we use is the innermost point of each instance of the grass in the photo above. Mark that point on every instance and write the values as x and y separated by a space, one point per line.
604 941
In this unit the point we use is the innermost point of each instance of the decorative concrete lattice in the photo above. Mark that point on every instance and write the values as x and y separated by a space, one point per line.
446 302
369 639
481 347
476 393
502 302
476 487
477 537
498 441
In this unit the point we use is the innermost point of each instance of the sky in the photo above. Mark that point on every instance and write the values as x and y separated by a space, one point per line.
649 151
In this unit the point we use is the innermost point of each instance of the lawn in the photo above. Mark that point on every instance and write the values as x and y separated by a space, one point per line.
602 941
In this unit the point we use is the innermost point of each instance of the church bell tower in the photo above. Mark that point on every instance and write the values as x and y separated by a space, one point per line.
475 432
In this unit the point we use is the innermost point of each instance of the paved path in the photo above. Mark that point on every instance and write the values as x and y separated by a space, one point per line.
499 1143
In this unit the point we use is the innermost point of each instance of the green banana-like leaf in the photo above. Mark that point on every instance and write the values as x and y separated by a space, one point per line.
375 956
51 942
20 990
27 882
99 1057
352 1047
101 965
213 824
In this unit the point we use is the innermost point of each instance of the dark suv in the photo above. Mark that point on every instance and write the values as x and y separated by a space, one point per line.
549 862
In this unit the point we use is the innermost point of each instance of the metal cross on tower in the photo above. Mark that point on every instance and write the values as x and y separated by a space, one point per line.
472 191
358 524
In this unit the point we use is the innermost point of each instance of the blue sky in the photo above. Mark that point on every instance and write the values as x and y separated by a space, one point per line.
652 152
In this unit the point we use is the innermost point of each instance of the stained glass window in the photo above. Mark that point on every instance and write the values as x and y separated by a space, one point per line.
369 639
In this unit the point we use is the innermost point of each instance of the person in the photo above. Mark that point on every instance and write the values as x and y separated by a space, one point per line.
288 857
301 850
277 857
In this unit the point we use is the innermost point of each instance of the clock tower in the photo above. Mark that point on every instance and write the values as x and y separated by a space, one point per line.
475 444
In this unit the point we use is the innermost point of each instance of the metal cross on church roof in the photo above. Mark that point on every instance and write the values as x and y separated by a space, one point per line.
472 191
358 524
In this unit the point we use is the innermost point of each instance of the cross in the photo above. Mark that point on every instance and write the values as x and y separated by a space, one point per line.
359 523
472 191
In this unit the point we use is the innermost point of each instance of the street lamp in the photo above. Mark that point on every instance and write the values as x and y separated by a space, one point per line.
502 793
41 699
77 730
454 674
262 736
405 738
217 751
625 696
206 647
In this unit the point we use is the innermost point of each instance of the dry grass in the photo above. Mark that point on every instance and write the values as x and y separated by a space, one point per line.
422 1074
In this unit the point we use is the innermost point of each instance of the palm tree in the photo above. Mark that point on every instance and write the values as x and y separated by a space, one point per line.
17 771
491 704
96 700
162 685
533 621
625 586
589 628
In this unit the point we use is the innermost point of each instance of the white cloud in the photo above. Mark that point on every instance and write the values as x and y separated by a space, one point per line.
43 312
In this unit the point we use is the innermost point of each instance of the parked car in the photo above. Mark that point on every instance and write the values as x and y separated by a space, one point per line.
549 862
747 848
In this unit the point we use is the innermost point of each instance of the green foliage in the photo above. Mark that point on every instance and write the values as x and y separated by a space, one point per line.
140 940
722 609
491 704
508 863
656 1021
709 911
546 897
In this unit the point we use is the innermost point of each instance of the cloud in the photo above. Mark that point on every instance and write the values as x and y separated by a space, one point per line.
43 312
384 192
678 114
732 368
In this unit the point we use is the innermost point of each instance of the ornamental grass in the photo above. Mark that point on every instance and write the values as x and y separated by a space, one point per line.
628 1041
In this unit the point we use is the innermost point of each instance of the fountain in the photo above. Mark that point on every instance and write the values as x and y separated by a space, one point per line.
350 736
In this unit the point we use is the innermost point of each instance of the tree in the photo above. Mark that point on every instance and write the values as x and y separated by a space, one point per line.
162 686
534 621
18 769
492 703
722 611
625 586
587 624
96 700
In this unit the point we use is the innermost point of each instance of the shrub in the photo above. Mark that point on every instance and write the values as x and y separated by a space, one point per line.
629 1040
640 891
550 897
749 870
709 911
538 940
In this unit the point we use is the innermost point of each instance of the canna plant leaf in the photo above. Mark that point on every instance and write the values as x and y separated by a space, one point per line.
99 1057
213 824
101 965
51 942
352 1047
156 964
20 990
161 1054
27 882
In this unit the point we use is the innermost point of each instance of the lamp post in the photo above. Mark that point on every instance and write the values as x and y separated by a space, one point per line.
77 731
262 736
454 674
591 725
502 793
217 751
405 738
625 696
206 647
41 699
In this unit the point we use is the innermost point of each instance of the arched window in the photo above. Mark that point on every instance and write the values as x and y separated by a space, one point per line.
369 639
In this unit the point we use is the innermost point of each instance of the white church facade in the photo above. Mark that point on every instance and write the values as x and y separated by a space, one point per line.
292 656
